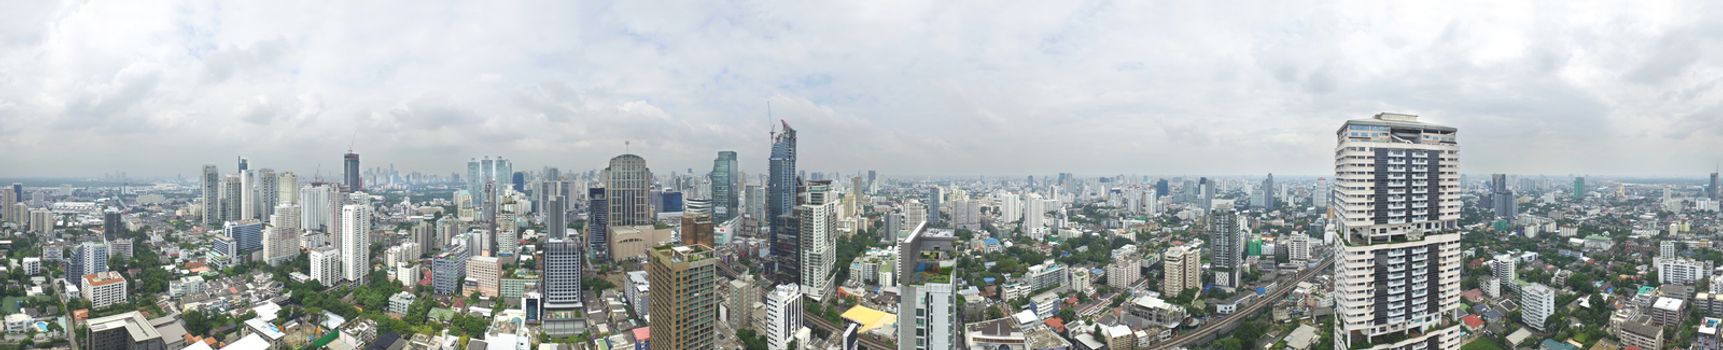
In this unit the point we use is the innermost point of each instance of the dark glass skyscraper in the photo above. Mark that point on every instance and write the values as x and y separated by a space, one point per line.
350 172
724 174
598 224
780 198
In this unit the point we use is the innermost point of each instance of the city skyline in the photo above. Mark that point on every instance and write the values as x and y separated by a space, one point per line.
1556 89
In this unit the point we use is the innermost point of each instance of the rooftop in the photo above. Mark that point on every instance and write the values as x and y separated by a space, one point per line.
104 278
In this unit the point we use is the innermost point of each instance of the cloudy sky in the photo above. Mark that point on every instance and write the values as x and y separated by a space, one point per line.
918 87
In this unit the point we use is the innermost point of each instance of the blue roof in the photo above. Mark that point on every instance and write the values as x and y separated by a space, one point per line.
1551 344
991 240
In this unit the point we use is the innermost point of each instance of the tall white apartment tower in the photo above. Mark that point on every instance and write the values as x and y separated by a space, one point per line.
817 218
355 242
783 316
1397 202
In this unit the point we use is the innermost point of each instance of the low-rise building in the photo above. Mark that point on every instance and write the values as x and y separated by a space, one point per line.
103 289
401 302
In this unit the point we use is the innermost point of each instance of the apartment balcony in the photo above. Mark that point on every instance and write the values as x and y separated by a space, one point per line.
1396 169
1396 153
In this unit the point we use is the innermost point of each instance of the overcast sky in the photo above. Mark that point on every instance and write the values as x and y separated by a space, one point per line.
922 87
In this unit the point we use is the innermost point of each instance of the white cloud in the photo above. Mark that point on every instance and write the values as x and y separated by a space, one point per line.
967 87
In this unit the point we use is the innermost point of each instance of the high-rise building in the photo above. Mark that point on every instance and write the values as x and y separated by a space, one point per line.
1298 248
232 187
598 224
41 220
683 297
560 282
325 265
356 243
927 298
1667 249
87 258
350 172
287 188
1227 260
627 195
1397 200
281 238
247 195
697 225
1502 201
484 276
1181 269
817 219
8 200
1537 303
113 225
1579 188
449 268
1268 193
103 289
1034 214
725 177
781 186
268 193
212 209
935 201
246 233
1711 188
783 316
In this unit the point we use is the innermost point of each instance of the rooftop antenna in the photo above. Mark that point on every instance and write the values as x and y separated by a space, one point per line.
625 148
774 128
351 140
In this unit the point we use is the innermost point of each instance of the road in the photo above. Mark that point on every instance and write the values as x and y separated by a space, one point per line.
1213 326
72 322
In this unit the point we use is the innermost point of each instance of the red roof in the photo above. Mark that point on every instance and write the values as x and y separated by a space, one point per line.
642 334
1473 321
1056 324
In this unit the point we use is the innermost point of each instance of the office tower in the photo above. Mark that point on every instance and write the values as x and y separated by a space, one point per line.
449 268
103 289
350 172
247 195
1579 188
281 238
1268 193
1711 189
1227 260
1162 188
125 331
1397 198
781 185
1501 199
287 188
1537 303
697 225
319 204
231 190
927 298
325 265
268 193
555 218
224 252
87 258
355 243
817 218
725 176
627 193
113 226
598 224
247 234
684 298
1205 194
935 201
560 283
754 204
490 247
1181 269
853 200
783 316
481 171
518 181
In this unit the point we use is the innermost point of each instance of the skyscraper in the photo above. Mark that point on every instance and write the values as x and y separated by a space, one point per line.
927 298
350 172
1502 201
1268 193
1227 260
598 224
247 195
211 196
319 205
1181 269
1397 276
817 217
1579 188
355 243
268 193
724 178
1712 190
490 248
935 200
683 301
87 258
560 283
781 185
628 193
232 188
697 226
287 188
